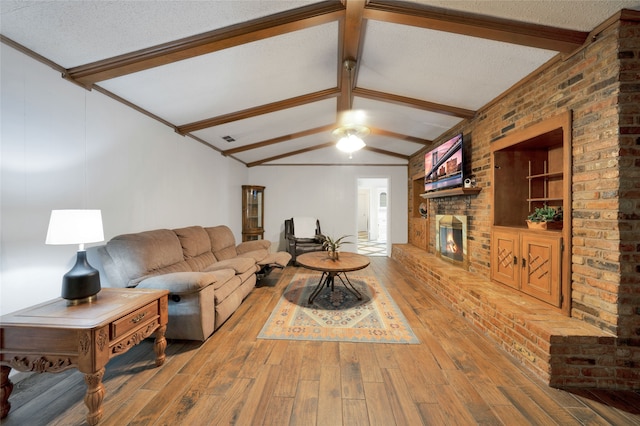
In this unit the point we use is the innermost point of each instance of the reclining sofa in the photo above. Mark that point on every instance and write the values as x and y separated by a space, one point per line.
207 274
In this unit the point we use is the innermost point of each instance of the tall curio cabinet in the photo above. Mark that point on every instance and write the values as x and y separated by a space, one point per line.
252 212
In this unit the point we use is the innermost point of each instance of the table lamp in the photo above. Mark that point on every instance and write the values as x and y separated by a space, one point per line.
82 283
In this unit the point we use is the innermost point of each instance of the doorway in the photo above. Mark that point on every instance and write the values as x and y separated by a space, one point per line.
373 200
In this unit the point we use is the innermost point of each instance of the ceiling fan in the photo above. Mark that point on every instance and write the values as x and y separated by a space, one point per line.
352 128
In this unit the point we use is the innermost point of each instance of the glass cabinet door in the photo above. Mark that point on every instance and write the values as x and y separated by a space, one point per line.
252 212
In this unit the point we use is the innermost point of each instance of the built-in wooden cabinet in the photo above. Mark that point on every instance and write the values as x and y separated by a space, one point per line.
419 232
252 212
419 221
529 261
532 168
505 252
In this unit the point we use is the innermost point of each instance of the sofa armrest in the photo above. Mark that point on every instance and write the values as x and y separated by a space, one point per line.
253 245
256 255
181 282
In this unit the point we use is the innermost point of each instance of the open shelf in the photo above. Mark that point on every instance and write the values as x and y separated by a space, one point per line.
453 192
543 200
557 175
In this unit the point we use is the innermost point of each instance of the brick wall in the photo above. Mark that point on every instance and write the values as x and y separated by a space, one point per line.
600 84
628 218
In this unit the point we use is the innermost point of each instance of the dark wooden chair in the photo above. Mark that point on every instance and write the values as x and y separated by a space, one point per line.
304 241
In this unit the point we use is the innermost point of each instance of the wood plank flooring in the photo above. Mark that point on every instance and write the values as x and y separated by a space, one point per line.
454 377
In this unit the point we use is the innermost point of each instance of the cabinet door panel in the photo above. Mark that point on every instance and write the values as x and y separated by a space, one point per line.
419 232
504 257
540 275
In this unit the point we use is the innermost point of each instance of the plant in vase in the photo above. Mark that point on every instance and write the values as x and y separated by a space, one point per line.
545 217
332 245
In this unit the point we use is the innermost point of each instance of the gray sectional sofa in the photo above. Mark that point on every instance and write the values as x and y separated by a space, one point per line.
207 274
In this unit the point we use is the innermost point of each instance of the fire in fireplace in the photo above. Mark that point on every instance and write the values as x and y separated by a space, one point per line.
451 238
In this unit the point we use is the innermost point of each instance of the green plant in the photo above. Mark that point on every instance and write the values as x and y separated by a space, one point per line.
546 214
331 244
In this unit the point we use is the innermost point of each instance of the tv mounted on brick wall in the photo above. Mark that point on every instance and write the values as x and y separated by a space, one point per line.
443 165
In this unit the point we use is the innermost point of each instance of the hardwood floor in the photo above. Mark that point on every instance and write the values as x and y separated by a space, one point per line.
455 376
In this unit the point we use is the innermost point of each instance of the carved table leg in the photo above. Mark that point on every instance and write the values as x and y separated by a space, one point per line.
94 396
160 345
5 390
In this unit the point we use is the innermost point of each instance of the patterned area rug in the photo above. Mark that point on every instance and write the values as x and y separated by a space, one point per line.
338 315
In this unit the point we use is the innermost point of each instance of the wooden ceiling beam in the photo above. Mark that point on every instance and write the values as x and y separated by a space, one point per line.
259 110
384 152
406 138
505 30
297 135
414 103
279 139
212 41
352 30
289 154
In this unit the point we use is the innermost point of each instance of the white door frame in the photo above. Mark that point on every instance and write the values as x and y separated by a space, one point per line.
375 186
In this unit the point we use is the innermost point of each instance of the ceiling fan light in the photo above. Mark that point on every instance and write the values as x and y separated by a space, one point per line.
350 143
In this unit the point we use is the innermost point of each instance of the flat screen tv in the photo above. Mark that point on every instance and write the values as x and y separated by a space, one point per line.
443 166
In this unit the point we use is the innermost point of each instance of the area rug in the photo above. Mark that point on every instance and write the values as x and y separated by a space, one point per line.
337 315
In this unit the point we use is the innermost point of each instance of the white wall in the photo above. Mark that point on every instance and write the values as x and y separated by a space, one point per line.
329 193
65 147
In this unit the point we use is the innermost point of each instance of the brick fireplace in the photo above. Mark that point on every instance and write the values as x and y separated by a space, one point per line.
597 343
451 239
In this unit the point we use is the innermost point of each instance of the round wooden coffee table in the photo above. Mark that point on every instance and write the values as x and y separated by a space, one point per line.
330 268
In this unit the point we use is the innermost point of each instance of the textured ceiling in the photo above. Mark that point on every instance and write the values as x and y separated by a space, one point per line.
270 73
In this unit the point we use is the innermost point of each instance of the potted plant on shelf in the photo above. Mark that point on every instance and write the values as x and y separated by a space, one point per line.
545 217
333 245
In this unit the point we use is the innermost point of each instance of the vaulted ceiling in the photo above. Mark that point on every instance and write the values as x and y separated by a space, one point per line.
264 82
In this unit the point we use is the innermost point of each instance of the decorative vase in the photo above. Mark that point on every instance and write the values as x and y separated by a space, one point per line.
544 225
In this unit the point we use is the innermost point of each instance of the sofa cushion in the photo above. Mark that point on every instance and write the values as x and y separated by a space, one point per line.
185 282
239 264
145 254
196 246
256 255
240 284
194 240
181 267
223 243
223 290
253 245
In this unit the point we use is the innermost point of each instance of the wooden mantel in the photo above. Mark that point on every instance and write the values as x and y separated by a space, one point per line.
453 192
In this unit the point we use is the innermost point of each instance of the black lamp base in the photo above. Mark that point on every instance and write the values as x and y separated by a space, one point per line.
82 283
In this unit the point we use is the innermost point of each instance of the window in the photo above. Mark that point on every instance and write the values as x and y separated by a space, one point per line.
383 199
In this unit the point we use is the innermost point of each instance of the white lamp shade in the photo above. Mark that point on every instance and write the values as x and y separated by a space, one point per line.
75 227
350 143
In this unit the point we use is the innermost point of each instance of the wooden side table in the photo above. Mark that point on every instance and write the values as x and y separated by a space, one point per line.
53 337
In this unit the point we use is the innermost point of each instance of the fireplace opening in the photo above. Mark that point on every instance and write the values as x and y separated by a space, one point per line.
451 238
